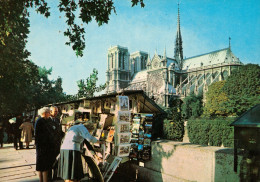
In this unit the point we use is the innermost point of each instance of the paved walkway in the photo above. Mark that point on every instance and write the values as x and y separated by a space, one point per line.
17 165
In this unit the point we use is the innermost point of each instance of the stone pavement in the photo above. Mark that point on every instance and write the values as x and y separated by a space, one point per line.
17 165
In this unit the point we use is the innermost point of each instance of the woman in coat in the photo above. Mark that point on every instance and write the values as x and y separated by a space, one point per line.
27 129
43 144
70 164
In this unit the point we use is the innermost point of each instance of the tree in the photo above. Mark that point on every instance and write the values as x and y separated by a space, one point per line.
242 89
173 125
236 95
58 90
23 85
47 91
17 73
88 88
98 10
215 98
192 106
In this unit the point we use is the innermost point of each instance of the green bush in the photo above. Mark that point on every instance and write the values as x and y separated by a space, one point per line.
173 130
215 132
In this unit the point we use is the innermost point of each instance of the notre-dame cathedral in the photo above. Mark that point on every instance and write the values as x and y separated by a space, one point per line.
162 77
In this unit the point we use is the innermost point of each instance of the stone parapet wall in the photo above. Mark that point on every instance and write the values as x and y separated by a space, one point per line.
177 161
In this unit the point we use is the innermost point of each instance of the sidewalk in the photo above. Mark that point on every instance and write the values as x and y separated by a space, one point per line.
17 165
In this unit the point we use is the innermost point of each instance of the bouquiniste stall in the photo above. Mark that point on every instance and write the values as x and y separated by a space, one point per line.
127 121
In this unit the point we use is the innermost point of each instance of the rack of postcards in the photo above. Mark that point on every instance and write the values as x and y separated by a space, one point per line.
122 133
141 137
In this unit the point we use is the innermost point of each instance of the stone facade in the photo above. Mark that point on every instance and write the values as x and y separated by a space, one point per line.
163 77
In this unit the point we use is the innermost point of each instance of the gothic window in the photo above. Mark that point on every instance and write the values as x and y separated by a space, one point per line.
200 79
208 80
135 65
119 55
142 63
145 58
214 75
225 75
112 60
123 61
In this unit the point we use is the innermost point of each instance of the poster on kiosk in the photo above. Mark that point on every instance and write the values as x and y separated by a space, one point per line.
123 133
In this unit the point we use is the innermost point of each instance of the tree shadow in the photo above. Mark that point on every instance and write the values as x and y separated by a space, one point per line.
152 170
224 165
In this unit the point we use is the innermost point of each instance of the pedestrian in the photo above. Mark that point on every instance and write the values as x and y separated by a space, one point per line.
57 135
17 131
27 129
70 164
43 144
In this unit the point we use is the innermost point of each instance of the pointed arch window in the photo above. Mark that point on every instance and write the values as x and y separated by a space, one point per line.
142 63
123 58
119 55
112 61
135 65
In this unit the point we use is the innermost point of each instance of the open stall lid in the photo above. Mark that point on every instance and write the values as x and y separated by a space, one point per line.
250 118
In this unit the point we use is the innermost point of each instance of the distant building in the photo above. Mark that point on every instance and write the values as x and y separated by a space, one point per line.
163 77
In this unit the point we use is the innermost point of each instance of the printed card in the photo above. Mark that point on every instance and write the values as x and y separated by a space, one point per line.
124 150
123 116
123 102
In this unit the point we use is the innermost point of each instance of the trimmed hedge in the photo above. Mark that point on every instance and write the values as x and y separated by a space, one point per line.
173 130
214 132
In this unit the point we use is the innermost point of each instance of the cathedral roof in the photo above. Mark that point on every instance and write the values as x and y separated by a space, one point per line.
170 60
212 58
139 76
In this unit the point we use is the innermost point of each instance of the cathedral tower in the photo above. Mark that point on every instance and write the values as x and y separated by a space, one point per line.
178 51
138 62
118 69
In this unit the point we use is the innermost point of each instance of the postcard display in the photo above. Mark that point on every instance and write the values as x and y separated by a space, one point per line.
141 137
122 132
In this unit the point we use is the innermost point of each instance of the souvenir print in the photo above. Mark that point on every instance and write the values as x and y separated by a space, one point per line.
123 103
124 150
110 135
123 127
123 116
124 138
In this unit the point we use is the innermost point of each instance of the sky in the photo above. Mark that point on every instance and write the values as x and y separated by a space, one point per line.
206 26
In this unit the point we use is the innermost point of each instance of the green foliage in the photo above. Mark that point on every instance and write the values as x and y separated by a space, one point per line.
173 126
215 132
198 131
45 91
244 81
192 106
173 130
215 99
89 87
236 95
242 89
17 73
86 10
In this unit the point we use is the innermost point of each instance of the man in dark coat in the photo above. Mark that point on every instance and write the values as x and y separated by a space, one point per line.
57 134
17 132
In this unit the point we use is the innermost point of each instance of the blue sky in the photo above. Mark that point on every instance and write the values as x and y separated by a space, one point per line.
205 26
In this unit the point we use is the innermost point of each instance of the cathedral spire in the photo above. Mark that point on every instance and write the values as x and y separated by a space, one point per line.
164 55
229 40
178 51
